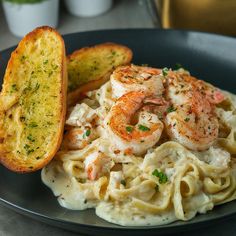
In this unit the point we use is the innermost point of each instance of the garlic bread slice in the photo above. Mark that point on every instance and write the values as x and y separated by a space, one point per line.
33 101
90 67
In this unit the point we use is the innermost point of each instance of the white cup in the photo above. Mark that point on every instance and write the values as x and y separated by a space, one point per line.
23 18
88 8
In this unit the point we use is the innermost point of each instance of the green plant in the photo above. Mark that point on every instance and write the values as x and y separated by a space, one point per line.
23 1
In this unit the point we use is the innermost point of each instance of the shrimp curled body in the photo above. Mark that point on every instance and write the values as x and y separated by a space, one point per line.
125 136
192 120
136 78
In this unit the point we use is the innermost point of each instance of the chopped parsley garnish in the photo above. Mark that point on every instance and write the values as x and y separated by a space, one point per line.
26 146
157 187
37 86
87 133
143 128
33 125
22 118
165 71
178 66
81 180
187 119
45 62
27 149
129 129
22 58
170 109
30 138
123 182
14 88
55 67
161 176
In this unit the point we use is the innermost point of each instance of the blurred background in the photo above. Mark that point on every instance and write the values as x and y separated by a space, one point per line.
106 14
17 17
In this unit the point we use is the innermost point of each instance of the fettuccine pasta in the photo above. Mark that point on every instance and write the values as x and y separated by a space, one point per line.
156 183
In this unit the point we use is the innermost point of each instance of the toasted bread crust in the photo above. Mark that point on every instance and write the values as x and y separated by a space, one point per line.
26 159
79 93
95 63
107 45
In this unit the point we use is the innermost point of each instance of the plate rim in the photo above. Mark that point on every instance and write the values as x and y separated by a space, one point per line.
137 29
44 218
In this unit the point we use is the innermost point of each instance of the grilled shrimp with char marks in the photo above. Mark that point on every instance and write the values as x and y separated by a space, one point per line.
191 120
126 136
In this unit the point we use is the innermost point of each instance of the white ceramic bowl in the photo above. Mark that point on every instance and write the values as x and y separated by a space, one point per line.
23 18
88 8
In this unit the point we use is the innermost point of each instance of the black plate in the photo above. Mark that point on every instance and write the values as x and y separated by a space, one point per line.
208 56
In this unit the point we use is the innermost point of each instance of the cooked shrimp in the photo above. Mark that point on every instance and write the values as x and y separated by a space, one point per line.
191 119
136 78
97 164
124 135
79 137
80 127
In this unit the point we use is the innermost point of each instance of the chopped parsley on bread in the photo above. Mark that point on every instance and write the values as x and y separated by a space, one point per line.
33 101
90 67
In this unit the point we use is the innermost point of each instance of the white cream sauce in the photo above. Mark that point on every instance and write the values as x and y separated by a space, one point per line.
78 193
123 215
68 191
